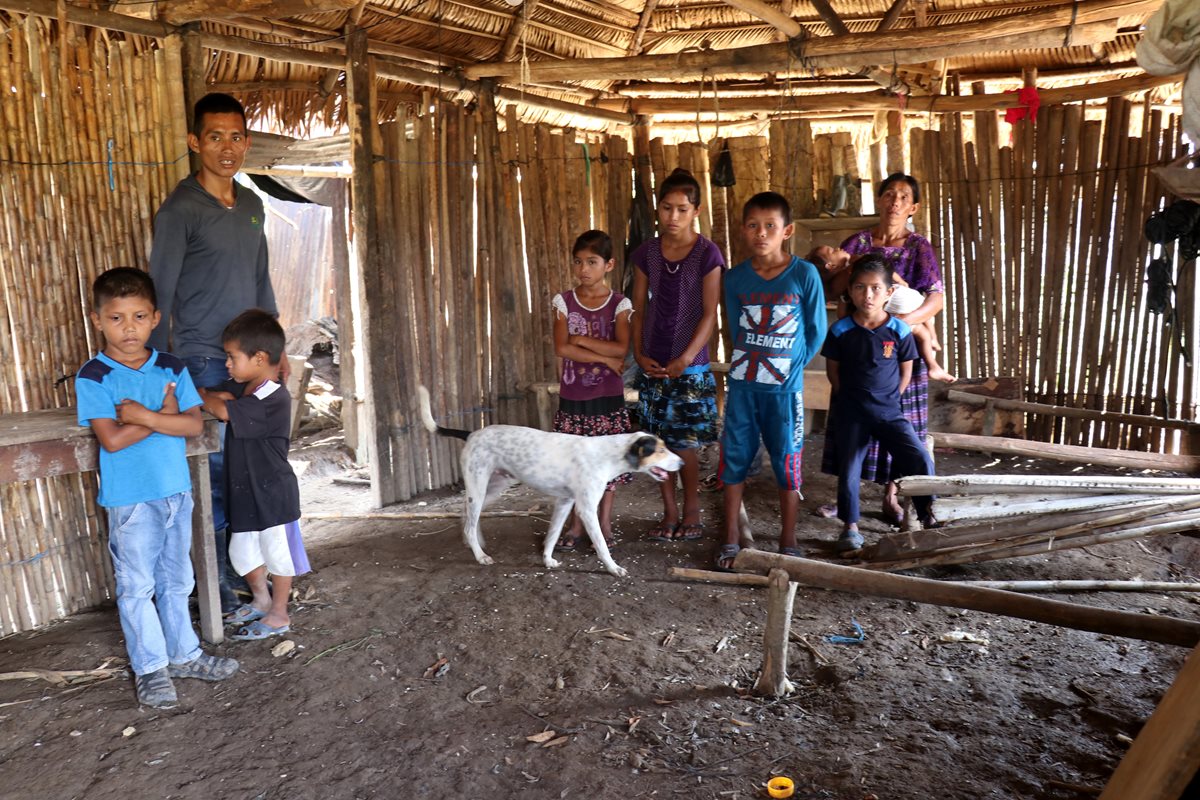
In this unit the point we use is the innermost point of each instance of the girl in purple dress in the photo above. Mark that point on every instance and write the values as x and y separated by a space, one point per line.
591 336
676 289
911 256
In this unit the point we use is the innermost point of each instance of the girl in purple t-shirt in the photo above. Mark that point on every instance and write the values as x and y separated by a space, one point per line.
676 290
591 336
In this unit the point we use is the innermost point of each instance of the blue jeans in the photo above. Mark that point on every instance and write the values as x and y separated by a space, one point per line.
150 545
206 372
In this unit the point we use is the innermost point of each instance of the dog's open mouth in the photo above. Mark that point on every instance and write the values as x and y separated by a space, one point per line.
659 474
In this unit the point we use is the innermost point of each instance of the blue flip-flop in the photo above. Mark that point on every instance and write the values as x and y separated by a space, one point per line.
258 630
243 614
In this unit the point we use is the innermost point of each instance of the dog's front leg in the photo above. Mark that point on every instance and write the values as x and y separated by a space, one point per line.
585 507
561 509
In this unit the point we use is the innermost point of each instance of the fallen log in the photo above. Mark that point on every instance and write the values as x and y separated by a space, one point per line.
918 485
1165 630
1068 452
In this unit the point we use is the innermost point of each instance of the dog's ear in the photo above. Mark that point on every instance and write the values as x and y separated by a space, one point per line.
640 448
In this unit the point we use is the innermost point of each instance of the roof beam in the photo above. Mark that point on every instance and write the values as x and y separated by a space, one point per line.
520 20
793 30
849 102
892 16
773 16
1042 28
376 47
639 35
385 67
177 12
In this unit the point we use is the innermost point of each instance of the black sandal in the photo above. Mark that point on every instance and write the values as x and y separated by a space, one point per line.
726 553
567 544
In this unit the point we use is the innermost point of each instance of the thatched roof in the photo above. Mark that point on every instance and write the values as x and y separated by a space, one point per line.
442 38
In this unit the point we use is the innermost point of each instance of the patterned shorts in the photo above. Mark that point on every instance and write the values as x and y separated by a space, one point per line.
681 411
596 425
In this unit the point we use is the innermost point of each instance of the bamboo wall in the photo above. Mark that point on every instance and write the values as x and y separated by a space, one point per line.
88 149
1040 240
482 222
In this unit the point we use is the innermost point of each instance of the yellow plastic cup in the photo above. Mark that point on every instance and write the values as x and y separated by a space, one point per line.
781 787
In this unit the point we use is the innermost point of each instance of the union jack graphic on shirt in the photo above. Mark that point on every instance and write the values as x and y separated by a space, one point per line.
764 345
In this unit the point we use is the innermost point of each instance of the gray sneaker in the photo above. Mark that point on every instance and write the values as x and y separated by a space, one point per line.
849 541
155 689
206 668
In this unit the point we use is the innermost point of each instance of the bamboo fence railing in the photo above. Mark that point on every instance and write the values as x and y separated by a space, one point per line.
90 142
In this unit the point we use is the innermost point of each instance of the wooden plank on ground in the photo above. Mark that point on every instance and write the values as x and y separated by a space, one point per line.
1069 453
1166 753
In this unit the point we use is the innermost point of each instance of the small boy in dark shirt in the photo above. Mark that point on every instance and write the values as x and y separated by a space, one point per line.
261 493
869 357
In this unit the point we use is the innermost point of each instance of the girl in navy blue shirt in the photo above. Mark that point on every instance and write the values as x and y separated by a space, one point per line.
869 357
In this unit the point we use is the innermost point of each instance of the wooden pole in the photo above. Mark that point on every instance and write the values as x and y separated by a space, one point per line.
772 679
1003 404
204 552
732 578
1069 453
347 383
1164 630
1086 586
378 310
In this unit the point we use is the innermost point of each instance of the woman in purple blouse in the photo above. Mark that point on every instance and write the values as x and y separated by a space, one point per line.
911 255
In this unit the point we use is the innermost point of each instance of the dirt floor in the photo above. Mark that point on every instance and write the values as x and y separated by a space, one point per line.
418 673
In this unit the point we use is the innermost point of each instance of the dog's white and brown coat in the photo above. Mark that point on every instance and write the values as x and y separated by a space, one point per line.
572 469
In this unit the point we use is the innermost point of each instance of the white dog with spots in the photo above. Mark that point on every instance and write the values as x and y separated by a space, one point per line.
573 469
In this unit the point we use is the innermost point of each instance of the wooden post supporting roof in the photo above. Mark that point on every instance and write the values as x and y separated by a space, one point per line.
378 306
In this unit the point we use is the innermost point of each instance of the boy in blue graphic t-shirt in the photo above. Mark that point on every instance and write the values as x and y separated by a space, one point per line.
776 306
869 357
141 405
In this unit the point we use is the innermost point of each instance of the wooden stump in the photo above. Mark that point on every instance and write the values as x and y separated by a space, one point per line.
773 680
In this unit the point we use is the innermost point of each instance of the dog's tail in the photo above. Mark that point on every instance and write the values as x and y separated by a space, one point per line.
429 422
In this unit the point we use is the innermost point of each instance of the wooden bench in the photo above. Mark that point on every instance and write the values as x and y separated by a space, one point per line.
43 444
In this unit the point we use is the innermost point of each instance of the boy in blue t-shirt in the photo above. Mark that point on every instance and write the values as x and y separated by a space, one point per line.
869 357
141 405
776 305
